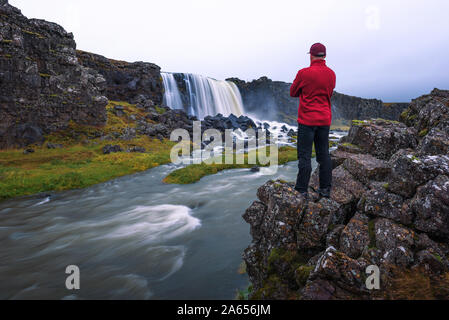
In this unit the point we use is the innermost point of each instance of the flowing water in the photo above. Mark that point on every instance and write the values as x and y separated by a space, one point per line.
132 238
172 97
206 96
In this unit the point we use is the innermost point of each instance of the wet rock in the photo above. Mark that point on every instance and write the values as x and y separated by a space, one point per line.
28 151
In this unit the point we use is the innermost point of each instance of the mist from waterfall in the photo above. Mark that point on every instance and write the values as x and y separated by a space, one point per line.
172 97
205 96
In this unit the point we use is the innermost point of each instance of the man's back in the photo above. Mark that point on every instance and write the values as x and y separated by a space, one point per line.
314 86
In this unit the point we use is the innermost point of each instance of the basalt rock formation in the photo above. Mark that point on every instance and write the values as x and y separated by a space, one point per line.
125 81
272 99
42 84
389 207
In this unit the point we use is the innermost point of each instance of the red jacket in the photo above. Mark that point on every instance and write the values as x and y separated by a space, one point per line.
314 86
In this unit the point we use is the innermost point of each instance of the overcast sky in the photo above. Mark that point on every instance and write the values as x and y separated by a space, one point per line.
394 50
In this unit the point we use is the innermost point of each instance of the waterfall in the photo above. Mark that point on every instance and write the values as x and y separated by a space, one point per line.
206 96
172 97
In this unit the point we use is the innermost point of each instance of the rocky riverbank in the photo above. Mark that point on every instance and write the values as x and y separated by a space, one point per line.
389 207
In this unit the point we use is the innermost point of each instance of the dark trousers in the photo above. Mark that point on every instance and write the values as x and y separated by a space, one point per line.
307 136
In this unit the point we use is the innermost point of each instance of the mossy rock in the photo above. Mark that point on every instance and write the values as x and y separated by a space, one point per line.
302 275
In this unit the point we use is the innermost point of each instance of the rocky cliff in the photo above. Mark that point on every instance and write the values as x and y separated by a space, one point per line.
125 81
272 99
42 84
389 207
45 82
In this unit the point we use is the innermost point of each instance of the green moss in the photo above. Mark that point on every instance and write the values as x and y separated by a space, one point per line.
6 41
404 115
386 186
302 275
77 165
33 34
360 122
194 172
245 293
438 257
159 110
281 257
413 117
424 133
270 286
7 56
45 75
350 145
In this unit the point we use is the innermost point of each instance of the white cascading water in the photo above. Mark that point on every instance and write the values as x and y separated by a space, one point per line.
172 97
206 96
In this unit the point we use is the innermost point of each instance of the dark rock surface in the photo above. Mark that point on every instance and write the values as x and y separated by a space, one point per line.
389 207
131 82
272 100
42 84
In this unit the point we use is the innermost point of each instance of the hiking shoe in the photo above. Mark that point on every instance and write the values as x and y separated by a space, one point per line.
304 194
325 193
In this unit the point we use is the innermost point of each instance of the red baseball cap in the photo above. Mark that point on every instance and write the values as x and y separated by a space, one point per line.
318 50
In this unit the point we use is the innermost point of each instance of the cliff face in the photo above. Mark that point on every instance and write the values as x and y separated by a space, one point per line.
42 84
131 82
389 207
272 98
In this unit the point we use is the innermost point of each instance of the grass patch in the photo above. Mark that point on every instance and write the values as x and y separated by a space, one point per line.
74 167
79 164
194 172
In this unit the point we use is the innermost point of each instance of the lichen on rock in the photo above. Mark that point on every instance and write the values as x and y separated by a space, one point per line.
389 207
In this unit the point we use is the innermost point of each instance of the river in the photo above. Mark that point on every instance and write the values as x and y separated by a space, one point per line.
132 238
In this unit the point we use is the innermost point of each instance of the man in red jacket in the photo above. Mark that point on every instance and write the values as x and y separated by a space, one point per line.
314 86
